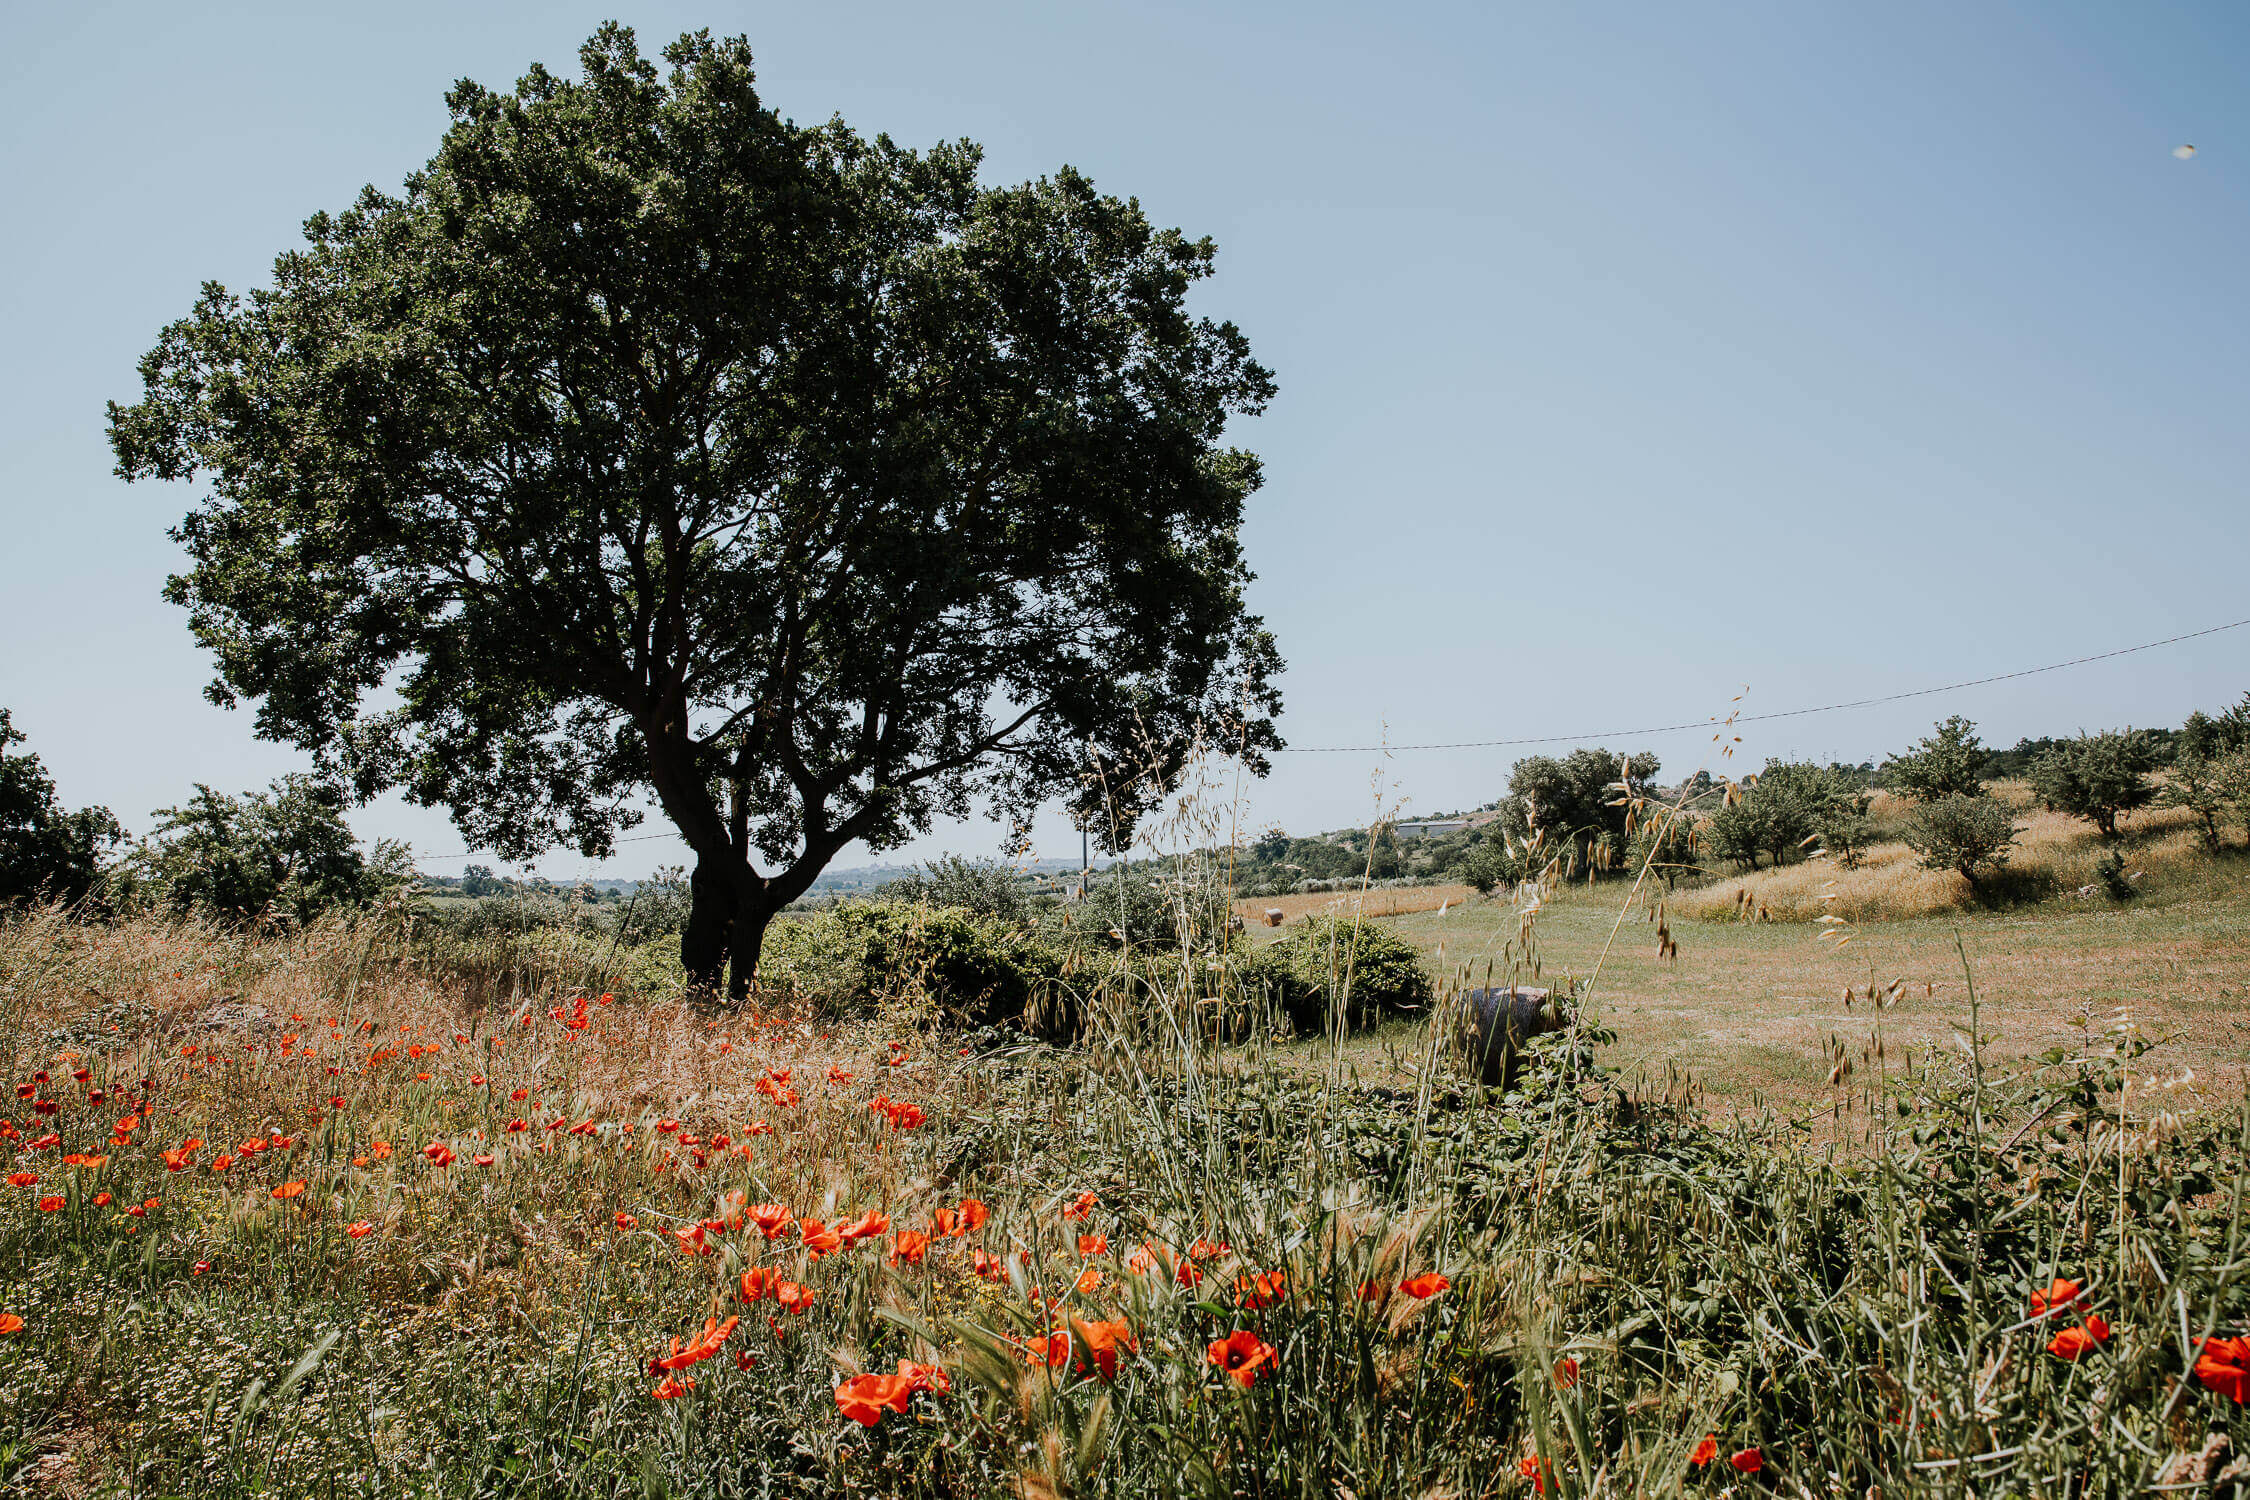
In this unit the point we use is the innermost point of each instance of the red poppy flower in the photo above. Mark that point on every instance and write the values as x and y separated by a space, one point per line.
794 1298
517 1096
10 1323
1372 1291
2055 1298
1425 1286
1748 1461
700 1346
1093 1244
1241 1355
864 1398
973 1215
931 1378
1261 1290
1082 1206
221 1163
745 1360
759 1282
1566 1372
1705 1451
289 1190
1100 1342
440 1154
1087 1281
52 1203
1050 1351
818 1239
1534 1470
772 1219
2076 1343
691 1240
517 1127
990 1267
22 1179
672 1387
2223 1365
866 1227
910 1246
360 1231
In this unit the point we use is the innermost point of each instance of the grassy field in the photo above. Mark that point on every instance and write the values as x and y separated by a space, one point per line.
332 1214
1751 1009
1754 1010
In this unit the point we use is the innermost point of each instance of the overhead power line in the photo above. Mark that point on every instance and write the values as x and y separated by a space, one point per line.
1618 734
1790 713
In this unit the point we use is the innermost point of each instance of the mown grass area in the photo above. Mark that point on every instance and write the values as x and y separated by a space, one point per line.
1753 1009
414 1233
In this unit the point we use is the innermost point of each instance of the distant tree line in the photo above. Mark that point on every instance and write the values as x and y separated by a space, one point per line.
1596 811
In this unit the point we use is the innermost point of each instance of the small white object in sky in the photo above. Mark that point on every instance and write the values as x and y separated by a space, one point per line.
2183 152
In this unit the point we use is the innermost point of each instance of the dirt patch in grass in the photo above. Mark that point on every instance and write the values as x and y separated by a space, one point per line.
1386 901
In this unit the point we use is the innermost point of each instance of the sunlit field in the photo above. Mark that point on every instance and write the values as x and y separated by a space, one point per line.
569 1239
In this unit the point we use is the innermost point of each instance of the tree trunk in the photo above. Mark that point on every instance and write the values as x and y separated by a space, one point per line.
704 940
752 915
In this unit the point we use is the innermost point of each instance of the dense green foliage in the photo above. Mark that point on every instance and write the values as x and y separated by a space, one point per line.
1376 973
654 447
973 968
46 852
282 855
1787 808
1947 763
1577 804
2098 777
1966 834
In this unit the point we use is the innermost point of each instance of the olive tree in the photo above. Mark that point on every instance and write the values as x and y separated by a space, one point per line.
1961 833
2098 777
651 448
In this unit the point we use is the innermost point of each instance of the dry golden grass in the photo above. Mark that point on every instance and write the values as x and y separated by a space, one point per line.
1394 901
2053 853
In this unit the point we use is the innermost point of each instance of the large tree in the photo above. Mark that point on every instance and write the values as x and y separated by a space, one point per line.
651 446
46 852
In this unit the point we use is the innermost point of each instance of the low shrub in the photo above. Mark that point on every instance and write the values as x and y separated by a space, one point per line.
1371 970
976 969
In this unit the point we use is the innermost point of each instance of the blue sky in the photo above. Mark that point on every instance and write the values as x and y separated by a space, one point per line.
1629 354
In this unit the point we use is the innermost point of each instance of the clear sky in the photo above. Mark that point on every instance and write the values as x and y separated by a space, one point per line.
1629 354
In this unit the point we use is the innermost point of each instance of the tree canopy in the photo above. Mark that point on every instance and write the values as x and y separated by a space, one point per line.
2098 777
46 852
281 855
1949 763
648 446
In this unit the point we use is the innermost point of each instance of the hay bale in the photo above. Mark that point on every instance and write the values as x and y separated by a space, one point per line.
1493 1024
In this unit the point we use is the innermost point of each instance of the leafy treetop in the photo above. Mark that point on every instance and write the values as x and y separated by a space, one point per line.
649 446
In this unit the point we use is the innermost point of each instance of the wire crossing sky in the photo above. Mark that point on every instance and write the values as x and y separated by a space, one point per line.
1627 354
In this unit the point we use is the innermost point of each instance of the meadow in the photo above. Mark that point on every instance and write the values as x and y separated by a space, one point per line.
348 1211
